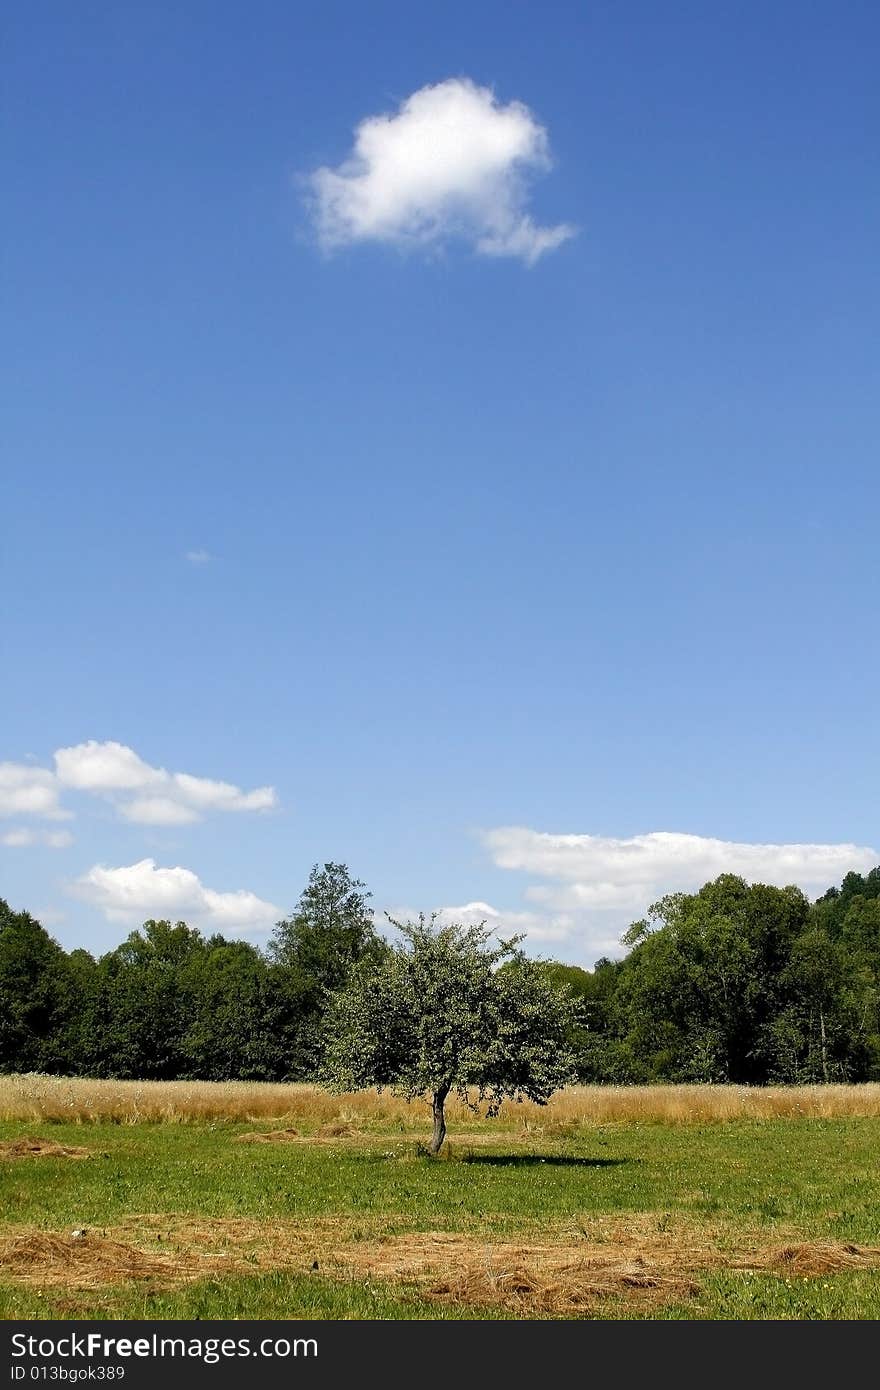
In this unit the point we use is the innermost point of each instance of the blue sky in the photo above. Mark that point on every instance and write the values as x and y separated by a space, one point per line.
504 497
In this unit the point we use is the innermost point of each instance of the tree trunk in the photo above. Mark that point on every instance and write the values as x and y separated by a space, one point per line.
439 1119
824 1045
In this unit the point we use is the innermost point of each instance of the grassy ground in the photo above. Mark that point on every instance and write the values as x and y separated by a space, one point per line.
347 1218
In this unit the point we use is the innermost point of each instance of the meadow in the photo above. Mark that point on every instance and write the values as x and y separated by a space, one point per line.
193 1199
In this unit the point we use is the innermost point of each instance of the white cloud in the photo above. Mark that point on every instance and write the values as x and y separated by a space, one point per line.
221 796
598 885
452 161
604 871
157 810
135 892
170 798
197 557
541 929
21 838
29 791
104 767
17 839
58 839
538 927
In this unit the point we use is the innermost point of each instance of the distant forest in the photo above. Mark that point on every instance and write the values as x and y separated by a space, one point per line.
735 983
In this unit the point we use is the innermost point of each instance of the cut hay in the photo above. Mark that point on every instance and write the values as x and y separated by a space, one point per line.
268 1136
339 1129
160 1250
89 1261
30 1147
571 1288
641 1258
818 1257
327 1134
540 1278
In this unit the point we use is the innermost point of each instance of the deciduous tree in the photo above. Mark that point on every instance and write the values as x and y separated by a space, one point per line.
444 1012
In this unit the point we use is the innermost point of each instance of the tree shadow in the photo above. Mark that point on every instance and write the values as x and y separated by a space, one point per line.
550 1160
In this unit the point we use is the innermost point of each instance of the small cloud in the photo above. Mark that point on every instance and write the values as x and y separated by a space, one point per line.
17 839
30 791
104 767
24 838
222 796
198 557
451 162
157 810
537 927
165 798
135 892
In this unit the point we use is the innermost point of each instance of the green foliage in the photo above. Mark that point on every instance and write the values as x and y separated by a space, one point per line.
140 1005
741 983
747 983
313 952
737 982
329 931
37 995
436 1014
231 1014
587 1036
695 995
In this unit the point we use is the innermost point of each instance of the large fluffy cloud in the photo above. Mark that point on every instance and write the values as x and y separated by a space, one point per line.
604 872
134 892
151 795
29 791
452 161
595 885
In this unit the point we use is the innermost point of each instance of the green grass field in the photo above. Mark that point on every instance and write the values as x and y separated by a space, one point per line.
774 1218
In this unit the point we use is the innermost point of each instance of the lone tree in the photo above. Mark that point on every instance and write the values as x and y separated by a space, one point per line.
441 1012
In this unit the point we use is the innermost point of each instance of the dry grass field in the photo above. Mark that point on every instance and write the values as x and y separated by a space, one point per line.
78 1101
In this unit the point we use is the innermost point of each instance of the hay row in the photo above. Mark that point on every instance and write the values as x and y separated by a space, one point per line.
638 1258
29 1146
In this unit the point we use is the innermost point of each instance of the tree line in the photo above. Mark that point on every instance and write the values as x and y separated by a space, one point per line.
737 982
